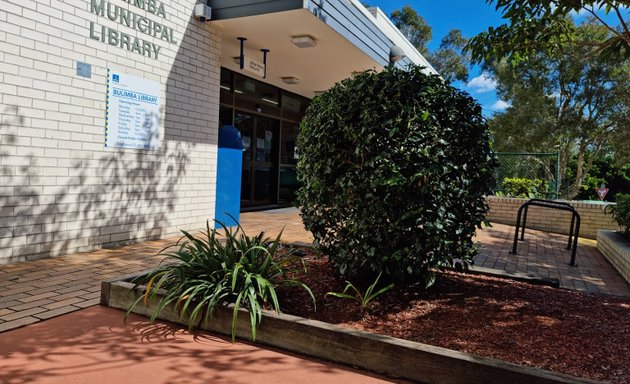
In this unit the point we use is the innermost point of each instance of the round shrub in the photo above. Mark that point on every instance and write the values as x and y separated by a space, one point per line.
394 167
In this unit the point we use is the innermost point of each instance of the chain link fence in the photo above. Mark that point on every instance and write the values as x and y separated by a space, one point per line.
533 175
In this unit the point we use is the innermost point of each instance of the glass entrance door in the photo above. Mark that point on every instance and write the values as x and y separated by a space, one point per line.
259 182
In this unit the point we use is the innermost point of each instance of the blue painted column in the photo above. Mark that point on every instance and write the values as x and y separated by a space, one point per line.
229 171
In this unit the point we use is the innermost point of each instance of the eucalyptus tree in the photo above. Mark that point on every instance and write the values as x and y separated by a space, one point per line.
448 59
566 100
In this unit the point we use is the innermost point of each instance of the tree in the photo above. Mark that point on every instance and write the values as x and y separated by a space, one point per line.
536 25
565 100
449 60
414 27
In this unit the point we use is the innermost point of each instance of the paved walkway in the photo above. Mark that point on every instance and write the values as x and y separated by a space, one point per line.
544 254
42 289
541 254
95 346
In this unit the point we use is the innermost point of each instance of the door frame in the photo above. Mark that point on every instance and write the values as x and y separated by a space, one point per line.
252 164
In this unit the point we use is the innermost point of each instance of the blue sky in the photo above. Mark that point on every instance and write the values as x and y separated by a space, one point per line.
471 17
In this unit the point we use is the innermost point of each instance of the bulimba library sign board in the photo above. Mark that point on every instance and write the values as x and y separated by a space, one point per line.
132 117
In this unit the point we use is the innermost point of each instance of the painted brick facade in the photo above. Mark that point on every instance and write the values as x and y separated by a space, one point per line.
61 190
504 210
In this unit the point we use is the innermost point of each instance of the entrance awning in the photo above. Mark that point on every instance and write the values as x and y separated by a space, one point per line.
349 38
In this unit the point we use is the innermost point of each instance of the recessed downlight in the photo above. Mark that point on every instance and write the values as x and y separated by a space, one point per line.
304 41
291 80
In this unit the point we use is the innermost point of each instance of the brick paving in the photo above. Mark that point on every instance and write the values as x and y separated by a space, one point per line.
542 254
37 290
272 222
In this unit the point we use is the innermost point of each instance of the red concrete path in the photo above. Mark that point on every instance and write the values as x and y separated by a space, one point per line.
94 346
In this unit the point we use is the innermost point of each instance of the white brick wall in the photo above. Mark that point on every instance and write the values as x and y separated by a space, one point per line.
504 210
61 191
616 249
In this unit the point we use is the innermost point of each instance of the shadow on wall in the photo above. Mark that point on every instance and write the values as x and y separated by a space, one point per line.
50 210
53 206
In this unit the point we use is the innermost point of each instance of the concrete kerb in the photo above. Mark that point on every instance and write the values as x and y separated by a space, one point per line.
381 354
530 279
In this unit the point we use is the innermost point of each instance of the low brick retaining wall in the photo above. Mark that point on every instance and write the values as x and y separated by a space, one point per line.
616 249
503 210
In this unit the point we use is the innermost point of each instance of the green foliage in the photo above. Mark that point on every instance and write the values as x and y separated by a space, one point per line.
607 171
621 212
567 102
206 271
363 299
589 188
393 167
530 166
524 187
413 26
449 60
545 25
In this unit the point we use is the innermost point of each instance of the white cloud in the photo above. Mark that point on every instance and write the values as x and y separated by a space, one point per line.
482 83
499 106
598 8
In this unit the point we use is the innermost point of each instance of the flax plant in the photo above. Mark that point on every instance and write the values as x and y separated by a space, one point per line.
213 269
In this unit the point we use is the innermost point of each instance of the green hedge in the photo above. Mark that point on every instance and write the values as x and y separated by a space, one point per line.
523 187
394 167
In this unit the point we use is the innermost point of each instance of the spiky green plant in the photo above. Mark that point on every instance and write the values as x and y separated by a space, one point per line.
363 299
214 269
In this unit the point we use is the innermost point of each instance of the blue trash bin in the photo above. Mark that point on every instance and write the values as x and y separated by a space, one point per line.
229 170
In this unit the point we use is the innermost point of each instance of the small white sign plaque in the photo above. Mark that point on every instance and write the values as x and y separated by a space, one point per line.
253 66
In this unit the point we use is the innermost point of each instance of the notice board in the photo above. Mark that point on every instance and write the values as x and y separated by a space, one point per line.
132 118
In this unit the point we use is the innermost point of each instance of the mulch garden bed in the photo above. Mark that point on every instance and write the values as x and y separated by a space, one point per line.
569 332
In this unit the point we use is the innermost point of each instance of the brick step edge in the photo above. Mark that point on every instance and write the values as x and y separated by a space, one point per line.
531 279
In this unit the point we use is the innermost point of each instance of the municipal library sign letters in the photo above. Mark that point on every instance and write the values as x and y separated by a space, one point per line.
133 20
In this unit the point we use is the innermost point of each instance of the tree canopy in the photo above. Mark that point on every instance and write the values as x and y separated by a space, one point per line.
565 100
414 27
535 25
449 60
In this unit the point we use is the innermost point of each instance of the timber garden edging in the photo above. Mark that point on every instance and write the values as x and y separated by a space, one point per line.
377 353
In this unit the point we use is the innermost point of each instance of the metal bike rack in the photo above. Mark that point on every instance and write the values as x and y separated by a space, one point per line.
574 231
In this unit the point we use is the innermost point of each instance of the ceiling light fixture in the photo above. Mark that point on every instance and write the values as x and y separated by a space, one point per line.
291 80
304 41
